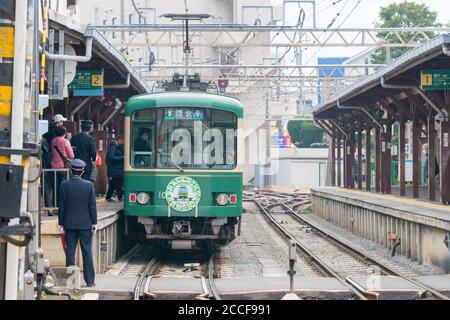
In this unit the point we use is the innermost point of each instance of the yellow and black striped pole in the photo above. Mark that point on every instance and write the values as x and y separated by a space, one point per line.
44 46
6 70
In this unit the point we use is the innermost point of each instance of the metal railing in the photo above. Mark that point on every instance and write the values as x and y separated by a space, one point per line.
51 180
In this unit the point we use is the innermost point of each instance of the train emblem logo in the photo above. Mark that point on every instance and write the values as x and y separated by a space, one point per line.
183 194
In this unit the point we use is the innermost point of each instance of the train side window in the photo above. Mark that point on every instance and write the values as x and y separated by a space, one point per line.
142 134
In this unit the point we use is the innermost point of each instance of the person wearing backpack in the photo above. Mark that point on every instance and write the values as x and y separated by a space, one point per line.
46 147
61 153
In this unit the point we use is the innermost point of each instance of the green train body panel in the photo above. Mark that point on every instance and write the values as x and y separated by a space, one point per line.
210 184
180 99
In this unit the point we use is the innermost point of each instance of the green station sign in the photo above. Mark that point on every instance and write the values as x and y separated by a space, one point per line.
435 79
87 83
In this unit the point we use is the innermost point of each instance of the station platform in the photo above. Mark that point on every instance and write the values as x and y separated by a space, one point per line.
105 241
421 226
266 288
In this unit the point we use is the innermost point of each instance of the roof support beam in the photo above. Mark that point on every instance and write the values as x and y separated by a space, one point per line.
442 114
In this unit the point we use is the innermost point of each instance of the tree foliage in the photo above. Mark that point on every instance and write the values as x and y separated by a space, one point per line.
303 133
403 15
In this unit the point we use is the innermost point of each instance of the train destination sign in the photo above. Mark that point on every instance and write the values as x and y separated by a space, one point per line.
184 114
87 83
435 79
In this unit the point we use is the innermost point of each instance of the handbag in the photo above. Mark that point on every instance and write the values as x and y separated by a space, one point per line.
98 160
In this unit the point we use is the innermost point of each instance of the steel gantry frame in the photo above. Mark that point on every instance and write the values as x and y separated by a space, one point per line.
254 76
235 35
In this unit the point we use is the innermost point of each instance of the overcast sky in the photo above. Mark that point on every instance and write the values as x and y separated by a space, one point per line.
362 17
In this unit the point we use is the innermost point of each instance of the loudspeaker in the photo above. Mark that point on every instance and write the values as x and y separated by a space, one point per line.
11 177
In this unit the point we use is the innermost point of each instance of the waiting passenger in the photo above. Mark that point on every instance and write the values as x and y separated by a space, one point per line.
84 146
61 153
114 161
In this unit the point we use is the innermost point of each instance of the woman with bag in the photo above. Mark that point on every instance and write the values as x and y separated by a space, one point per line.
61 153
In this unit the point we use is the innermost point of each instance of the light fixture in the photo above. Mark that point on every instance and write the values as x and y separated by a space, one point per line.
222 199
143 198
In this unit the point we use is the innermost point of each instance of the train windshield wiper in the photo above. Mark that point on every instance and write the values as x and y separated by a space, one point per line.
176 165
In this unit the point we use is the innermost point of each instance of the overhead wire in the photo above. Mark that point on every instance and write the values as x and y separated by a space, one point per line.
140 15
335 30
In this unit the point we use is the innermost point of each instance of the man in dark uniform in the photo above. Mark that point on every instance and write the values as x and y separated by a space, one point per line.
115 158
84 148
78 218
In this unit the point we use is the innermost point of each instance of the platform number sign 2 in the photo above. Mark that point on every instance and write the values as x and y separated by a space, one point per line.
87 83
97 80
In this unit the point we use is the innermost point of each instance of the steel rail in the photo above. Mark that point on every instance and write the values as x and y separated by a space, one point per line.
349 247
322 266
143 276
213 289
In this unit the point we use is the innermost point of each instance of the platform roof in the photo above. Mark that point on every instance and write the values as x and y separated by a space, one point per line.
405 70
104 53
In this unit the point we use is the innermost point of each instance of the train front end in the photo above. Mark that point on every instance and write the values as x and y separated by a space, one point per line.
183 167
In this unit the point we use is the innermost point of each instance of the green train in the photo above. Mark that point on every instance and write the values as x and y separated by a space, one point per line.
183 167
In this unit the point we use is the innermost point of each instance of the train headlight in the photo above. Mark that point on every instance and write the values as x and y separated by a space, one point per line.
222 199
143 198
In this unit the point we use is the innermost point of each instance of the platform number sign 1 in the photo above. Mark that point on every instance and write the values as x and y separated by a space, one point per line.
435 79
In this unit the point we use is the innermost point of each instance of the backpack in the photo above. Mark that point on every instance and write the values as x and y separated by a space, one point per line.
46 154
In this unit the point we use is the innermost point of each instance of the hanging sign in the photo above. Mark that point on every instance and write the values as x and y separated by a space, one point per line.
87 83
435 79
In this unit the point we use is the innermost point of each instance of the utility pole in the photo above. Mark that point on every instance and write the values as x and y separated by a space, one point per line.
267 172
18 142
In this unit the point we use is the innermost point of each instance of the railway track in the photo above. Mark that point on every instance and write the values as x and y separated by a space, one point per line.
143 282
332 256
164 266
214 292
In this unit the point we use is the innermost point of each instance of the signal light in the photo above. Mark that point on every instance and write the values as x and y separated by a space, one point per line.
223 83
132 197
233 198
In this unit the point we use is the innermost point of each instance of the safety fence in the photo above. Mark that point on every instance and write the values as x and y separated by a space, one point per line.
50 188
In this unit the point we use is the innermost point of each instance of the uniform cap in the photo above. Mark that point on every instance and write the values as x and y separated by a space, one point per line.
86 124
59 117
77 164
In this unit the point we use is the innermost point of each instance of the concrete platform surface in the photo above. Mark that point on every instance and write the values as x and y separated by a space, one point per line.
423 210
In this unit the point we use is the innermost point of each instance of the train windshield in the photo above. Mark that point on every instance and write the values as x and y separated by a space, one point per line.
184 137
